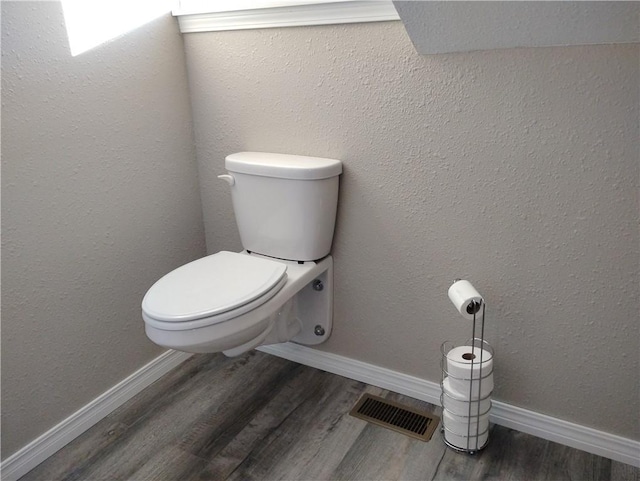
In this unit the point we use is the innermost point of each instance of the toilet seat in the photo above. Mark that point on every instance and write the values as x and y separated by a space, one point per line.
213 289
290 311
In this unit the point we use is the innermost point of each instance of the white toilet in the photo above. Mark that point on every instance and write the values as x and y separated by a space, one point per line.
280 288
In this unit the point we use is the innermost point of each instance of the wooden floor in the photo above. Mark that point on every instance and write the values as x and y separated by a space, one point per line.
259 417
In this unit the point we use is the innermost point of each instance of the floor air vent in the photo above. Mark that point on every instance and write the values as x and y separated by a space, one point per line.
396 417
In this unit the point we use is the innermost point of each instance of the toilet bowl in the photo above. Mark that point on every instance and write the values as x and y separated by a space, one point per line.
280 288
233 302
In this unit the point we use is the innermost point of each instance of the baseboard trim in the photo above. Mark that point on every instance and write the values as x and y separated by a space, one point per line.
530 422
38 450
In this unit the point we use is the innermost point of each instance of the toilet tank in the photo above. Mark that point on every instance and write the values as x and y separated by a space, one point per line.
285 205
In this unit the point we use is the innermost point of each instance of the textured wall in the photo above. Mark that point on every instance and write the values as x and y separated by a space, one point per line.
445 27
516 169
99 198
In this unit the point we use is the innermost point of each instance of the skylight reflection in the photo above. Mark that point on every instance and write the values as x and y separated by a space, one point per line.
92 22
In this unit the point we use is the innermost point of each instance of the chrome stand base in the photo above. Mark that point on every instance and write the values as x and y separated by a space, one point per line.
463 450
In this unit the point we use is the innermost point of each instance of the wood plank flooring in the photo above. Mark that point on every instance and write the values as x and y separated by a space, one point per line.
259 417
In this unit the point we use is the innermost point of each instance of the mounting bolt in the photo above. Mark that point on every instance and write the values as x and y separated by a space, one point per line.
317 285
318 330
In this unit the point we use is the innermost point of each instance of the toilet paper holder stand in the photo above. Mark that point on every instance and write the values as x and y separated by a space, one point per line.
476 435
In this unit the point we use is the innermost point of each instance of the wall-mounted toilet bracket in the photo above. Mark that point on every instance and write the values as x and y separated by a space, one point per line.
314 308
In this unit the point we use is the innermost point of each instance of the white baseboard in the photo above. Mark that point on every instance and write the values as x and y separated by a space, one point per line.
37 451
546 427
530 422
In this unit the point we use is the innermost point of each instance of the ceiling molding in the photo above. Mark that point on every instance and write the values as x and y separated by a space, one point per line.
326 13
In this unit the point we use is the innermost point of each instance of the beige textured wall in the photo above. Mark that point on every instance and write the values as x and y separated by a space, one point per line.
516 169
99 198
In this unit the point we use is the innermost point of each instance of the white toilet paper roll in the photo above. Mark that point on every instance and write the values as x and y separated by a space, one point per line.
455 403
472 390
464 426
467 375
463 296
463 362
464 442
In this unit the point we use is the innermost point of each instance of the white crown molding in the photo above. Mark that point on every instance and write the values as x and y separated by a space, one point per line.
324 13
530 422
27 458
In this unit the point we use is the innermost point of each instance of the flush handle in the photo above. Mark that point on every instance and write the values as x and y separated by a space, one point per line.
227 178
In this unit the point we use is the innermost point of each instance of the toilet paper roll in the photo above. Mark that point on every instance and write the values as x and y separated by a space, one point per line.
463 362
453 402
465 426
466 378
463 441
465 298
463 389
472 390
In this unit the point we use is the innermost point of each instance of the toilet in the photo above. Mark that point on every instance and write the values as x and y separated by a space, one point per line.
280 287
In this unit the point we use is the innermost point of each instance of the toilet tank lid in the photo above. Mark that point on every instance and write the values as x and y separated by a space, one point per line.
283 166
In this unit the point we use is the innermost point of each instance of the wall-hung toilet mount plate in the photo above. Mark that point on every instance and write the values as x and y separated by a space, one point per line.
314 309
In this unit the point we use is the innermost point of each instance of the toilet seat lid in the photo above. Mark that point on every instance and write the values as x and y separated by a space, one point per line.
210 286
